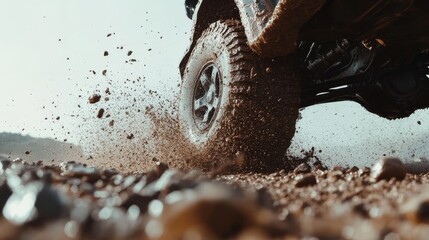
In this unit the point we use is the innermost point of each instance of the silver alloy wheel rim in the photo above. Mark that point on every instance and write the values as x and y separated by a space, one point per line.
206 96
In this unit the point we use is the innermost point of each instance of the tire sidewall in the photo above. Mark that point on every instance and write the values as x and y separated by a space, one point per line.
209 49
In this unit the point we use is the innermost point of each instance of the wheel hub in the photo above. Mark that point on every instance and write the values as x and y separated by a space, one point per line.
206 97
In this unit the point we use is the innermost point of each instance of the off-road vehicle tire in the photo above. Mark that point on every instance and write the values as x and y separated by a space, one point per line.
243 115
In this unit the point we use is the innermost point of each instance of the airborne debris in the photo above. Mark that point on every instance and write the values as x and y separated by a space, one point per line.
100 113
95 98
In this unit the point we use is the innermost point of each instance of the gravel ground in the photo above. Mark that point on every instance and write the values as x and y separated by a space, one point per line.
74 201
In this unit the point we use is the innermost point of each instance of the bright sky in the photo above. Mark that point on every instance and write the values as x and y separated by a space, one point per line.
39 36
37 81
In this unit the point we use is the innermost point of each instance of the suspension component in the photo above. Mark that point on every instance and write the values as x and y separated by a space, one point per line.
337 54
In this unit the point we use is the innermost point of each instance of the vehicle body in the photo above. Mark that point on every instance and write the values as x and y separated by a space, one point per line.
372 52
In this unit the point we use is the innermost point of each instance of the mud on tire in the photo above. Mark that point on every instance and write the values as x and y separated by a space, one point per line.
246 113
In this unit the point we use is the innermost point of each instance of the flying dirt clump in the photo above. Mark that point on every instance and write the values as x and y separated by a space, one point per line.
100 113
95 98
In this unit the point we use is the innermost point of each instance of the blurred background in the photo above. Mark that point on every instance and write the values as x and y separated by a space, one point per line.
55 54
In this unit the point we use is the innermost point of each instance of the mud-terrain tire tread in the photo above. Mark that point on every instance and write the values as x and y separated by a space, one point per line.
259 120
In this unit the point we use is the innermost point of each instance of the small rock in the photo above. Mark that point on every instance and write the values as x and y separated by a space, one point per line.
37 203
213 211
161 168
318 165
338 169
4 164
163 183
89 174
109 173
5 193
353 169
336 175
240 158
95 98
128 181
100 113
305 180
49 204
388 168
417 209
302 168
366 171
142 202
361 209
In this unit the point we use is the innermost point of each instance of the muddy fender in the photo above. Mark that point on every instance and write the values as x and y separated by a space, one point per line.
207 12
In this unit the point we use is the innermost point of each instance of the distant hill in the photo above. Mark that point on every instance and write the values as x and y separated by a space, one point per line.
28 148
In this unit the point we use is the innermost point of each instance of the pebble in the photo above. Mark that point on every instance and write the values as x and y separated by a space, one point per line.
130 136
89 174
305 180
95 98
74 201
100 113
5 193
302 168
141 201
417 209
4 164
36 203
353 169
213 211
387 168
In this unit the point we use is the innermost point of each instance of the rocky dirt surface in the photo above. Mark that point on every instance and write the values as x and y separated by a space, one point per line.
74 201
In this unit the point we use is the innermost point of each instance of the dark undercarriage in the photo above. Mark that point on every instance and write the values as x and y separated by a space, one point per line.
380 60
375 76
371 52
